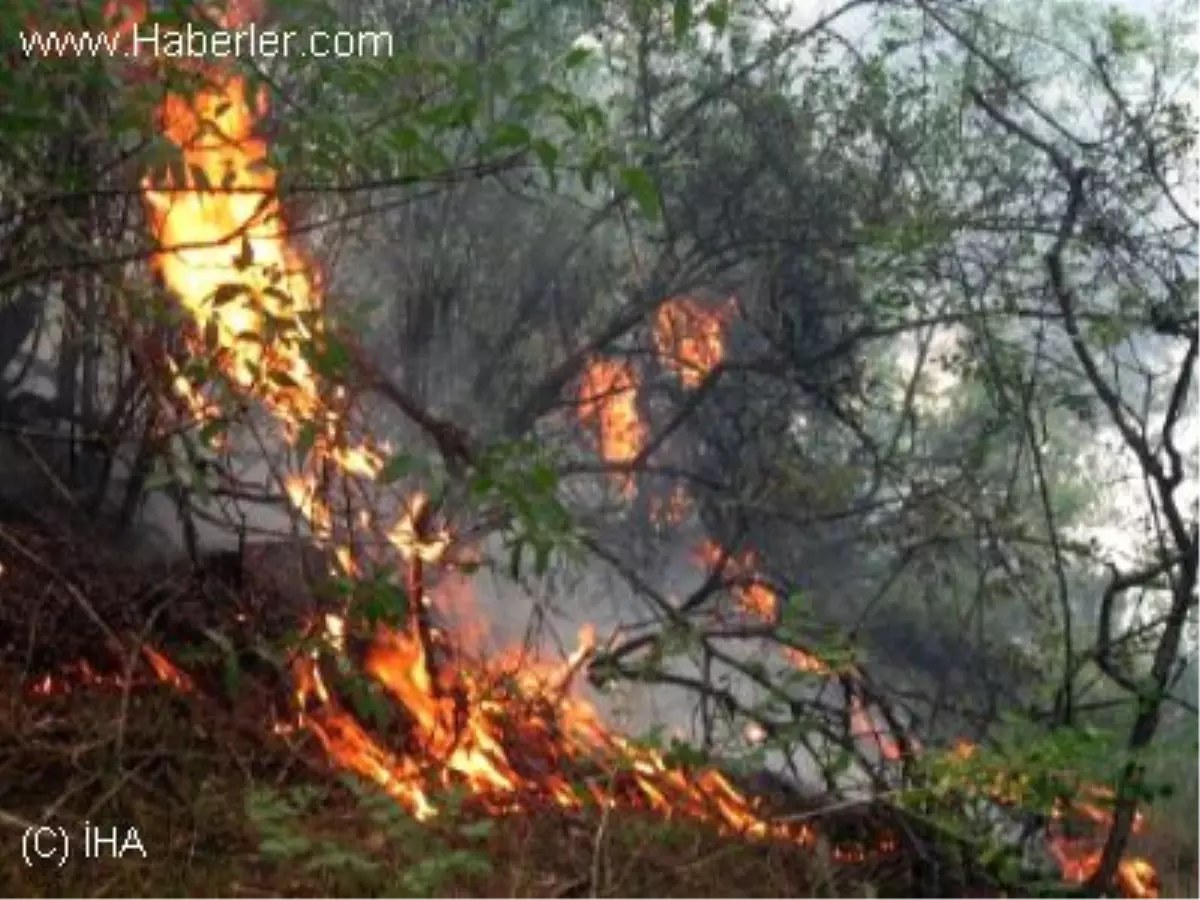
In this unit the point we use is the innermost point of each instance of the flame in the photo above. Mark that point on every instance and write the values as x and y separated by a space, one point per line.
255 306
608 400
757 599
71 677
690 341
690 338
754 597
166 670
1078 828
1079 853
410 538
256 316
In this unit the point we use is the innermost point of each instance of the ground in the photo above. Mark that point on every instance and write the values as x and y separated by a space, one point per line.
183 776
207 795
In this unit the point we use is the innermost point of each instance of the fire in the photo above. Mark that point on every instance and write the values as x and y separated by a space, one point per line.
1079 854
754 597
409 538
757 599
464 730
608 400
82 674
256 312
229 262
166 670
690 339
672 509
256 315
1078 828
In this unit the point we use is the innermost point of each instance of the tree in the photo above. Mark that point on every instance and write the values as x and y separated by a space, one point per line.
556 188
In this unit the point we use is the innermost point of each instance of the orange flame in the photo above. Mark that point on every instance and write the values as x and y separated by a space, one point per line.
754 597
1079 855
1078 829
256 308
690 341
81 674
690 338
608 400
256 311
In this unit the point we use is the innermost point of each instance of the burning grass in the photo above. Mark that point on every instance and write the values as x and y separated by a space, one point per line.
181 741
183 776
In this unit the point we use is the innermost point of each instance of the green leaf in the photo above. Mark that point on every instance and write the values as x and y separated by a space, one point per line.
285 846
510 134
387 604
210 431
305 440
681 17
405 138
717 14
336 859
641 186
1108 331
478 830
577 57
546 153
1126 34
231 674
158 480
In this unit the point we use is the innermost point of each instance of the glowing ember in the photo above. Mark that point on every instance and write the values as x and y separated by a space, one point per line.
672 509
166 670
82 675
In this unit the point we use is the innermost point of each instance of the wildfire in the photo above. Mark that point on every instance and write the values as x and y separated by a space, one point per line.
608 400
1079 855
81 674
758 600
1078 829
256 315
672 509
754 597
690 339
256 308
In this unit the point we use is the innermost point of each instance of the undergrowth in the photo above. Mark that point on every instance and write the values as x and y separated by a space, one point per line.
224 808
